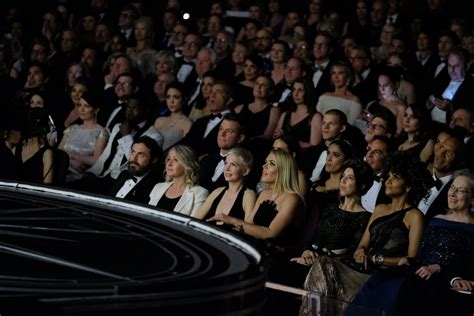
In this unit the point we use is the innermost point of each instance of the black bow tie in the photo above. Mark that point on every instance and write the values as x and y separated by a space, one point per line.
438 184
218 115
378 178
132 177
190 63
316 68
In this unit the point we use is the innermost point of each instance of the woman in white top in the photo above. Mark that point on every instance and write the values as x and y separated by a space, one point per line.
341 98
180 193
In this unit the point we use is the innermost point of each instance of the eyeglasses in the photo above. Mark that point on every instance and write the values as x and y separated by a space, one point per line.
376 126
125 84
455 190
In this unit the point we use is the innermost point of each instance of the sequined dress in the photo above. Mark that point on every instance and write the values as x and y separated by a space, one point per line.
443 242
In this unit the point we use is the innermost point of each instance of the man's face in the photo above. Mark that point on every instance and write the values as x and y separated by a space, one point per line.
68 41
263 41
203 63
89 57
321 49
120 66
456 69
377 127
376 154
377 13
126 19
445 45
169 21
35 78
140 160
445 155
190 46
102 34
39 53
218 98
461 118
124 86
134 111
228 136
359 60
221 45
213 26
331 127
160 85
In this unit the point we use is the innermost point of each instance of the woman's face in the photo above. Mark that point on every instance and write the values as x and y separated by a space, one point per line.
174 168
36 101
140 31
386 87
410 122
250 70
163 66
335 159
76 92
395 185
348 183
460 194
74 72
174 100
234 169
261 88
298 93
277 54
85 111
270 171
250 31
206 88
339 77
238 55
387 34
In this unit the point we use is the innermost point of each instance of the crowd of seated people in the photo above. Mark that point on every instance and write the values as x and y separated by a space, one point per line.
330 134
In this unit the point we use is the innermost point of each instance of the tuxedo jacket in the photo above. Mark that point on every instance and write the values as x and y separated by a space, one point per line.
196 140
207 167
440 204
141 191
121 149
189 203
367 89
324 83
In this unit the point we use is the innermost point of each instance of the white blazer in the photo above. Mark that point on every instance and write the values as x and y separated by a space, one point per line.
189 203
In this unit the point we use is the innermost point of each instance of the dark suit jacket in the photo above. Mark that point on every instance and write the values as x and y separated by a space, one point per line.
440 204
141 192
324 83
207 168
196 140
367 89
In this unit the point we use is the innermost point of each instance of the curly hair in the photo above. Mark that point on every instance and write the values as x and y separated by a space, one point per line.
415 175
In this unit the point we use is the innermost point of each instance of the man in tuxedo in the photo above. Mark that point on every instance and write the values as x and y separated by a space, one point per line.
126 24
136 183
211 171
366 78
203 134
114 159
448 157
376 156
206 61
463 120
323 48
115 99
282 93
455 93
192 45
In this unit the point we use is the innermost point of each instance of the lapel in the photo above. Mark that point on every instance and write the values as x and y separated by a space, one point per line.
185 202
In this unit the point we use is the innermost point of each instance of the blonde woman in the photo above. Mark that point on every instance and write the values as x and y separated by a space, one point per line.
181 192
278 210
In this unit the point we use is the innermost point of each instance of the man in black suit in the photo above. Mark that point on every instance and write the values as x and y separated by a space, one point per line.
448 157
323 49
136 183
203 134
463 120
211 171
366 82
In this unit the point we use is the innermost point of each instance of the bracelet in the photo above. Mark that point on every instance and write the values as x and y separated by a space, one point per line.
379 259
